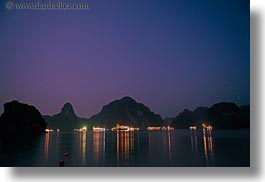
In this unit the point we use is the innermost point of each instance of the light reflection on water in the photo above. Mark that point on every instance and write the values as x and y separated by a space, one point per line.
124 147
98 145
138 148
169 146
46 147
208 146
193 139
83 147
160 141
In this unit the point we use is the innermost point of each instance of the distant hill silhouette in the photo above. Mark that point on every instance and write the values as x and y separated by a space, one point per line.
66 120
221 115
126 111
21 119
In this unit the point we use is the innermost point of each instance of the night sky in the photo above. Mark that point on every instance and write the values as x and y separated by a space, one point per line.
168 54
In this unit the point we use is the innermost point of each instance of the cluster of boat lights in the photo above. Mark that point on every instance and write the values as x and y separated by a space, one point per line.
164 128
127 128
204 127
117 128
52 130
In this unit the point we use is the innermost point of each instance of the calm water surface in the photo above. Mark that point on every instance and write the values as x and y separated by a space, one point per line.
140 148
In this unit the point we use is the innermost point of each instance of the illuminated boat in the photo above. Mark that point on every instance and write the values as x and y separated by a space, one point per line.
134 129
120 128
48 130
167 128
207 127
98 129
84 129
193 127
153 128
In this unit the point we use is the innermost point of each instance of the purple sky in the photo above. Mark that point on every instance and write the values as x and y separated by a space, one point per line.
169 55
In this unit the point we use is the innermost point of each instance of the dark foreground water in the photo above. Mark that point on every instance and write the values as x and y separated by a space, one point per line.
140 148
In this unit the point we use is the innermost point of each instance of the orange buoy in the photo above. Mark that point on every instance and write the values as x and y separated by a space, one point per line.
61 163
66 154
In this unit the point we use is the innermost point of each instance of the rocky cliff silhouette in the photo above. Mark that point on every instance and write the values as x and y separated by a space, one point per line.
21 119
126 111
223 115
66 120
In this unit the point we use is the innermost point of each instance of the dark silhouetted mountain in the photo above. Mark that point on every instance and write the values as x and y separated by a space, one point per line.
184 119
225 115
221 115
67 112
168 120
126 111
245 115
201 114
66 120
21 119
